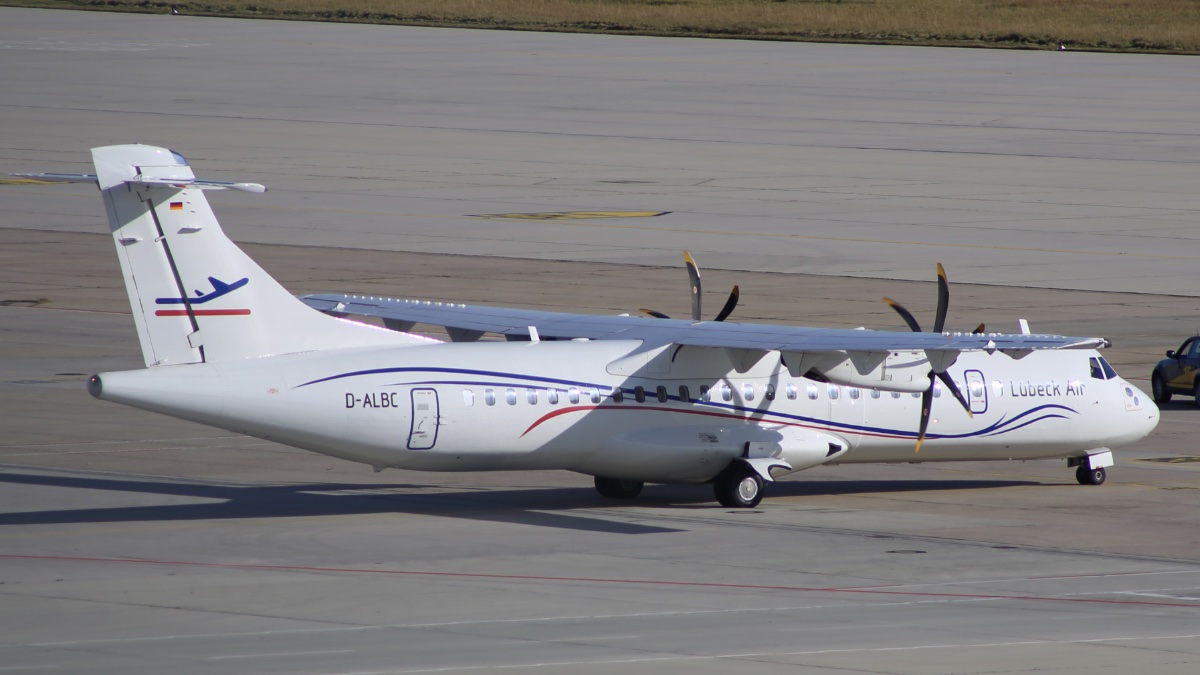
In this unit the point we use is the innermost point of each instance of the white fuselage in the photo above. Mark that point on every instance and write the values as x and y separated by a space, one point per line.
550 405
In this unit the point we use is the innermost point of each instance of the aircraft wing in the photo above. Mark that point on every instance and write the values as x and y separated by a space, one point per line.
469 322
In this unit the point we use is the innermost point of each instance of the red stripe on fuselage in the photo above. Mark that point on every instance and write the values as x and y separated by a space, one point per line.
202 312
756 416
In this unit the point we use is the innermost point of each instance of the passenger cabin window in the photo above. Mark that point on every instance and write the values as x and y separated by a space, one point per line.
874 393
855 392
661 393
552 396
618 395
594 395
531 396
573 395
895 394
812 392
937 389
834 392
704 393
489 396
748 392
468 397
510 396
769 392
726 392
791 392
639 394
684 395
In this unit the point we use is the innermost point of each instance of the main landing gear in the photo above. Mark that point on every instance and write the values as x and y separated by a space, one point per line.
618 489
738 487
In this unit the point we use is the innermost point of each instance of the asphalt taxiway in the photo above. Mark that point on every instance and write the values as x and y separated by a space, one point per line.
134 543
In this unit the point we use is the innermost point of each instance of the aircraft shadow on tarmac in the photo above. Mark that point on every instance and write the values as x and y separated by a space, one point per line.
519 506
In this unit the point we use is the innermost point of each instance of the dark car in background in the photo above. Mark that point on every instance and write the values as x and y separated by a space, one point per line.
1179 373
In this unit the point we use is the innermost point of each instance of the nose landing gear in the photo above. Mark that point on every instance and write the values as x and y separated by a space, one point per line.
1087 476
1089 469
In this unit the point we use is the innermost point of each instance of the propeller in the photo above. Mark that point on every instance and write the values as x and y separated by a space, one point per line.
694 277
939 323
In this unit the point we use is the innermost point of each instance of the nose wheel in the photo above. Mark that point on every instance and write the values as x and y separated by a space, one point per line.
1087 476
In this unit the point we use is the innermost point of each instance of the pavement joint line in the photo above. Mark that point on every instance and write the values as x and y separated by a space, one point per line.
593 580
1050 578
757 655
228 657
471 622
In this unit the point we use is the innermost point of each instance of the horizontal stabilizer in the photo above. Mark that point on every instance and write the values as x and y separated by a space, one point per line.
176 183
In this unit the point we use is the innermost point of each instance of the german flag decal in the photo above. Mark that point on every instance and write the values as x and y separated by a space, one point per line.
176 206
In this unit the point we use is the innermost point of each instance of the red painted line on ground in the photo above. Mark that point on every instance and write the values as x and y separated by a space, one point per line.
591 580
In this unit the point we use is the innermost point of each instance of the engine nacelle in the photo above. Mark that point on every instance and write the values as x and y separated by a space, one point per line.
903 371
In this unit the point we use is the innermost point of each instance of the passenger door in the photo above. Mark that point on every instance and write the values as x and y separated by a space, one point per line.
423 432
977 392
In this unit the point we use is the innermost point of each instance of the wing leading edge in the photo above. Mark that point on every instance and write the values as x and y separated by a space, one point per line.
471 321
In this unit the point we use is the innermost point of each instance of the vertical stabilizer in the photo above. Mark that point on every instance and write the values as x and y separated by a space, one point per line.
195 295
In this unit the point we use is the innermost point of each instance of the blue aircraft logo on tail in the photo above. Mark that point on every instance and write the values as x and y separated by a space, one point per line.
220 288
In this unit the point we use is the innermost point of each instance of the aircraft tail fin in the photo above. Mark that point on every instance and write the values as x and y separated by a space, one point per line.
196 297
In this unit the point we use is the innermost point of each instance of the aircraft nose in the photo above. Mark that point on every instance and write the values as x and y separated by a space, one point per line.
1142 407
1152 417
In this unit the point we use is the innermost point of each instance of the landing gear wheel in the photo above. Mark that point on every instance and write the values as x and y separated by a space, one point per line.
739 487
1159 390
1087 476
618 489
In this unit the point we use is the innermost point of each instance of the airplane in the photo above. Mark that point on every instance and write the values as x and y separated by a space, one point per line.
626 399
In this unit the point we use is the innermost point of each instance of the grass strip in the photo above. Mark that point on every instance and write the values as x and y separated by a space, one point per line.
1154 26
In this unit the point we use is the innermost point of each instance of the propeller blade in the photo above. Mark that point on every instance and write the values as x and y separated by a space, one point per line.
978 330
694 276
904 314
926 405
729 304
949 382
939 321
651 312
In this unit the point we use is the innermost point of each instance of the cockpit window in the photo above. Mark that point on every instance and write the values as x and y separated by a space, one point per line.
1100 369
1109 373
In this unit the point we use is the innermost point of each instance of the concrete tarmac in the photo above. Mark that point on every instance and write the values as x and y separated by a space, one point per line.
1030 168
132 543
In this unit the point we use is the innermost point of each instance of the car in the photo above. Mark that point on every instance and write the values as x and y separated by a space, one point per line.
1179 373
